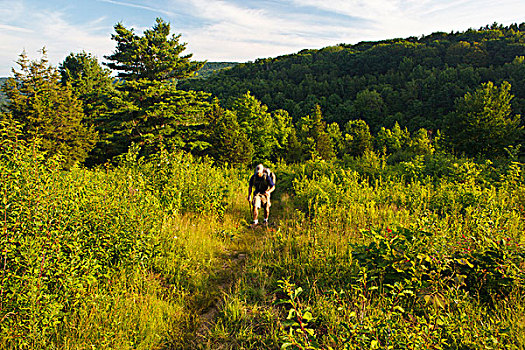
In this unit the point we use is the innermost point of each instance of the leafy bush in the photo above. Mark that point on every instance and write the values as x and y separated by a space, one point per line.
66 233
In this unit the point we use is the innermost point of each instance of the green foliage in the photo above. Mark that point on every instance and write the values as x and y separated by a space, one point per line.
388 263
482 122
153 56
336 138
229 143
398 245
101 101
295 151
370 107
392 140
48 111
282 130
485 269
211 68
155 114
258 125
3 97
314 137
357 138
69 235
87 78
413 81
300 336
155 111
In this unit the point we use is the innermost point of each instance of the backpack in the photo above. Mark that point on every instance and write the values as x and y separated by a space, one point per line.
270 173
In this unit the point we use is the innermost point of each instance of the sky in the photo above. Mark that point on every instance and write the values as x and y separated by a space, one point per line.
234 30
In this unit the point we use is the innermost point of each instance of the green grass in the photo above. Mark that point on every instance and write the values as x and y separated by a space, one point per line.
155 254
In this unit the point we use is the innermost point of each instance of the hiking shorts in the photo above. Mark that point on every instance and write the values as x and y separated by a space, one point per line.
261 200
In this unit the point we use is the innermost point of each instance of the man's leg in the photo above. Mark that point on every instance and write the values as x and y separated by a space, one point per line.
266 213
266 209
256 205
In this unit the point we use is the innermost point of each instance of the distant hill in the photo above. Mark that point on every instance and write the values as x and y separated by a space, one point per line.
413 81
211 68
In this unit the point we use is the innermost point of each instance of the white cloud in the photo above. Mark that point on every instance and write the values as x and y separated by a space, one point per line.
245 33
138 6
53 31
10 9
399 18
15 29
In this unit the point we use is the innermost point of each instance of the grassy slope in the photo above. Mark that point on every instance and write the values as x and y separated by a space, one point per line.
317 255
213 284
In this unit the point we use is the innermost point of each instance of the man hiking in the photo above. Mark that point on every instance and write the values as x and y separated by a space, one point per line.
263 183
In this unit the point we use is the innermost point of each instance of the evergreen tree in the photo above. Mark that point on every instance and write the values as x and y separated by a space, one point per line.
150 67
313 135
102 102
336 138
295 152
282 129
483 123
48 110
229 143
323 144
153 56
357 138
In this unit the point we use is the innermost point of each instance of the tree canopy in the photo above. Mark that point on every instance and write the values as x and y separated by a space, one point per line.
482 123
149 67
413 81
153 56
48 111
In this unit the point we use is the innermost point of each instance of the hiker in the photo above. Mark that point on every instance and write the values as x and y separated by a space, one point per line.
264 184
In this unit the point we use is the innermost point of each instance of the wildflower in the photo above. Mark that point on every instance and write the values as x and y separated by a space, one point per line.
388 230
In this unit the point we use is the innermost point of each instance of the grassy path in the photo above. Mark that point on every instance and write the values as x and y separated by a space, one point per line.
219 321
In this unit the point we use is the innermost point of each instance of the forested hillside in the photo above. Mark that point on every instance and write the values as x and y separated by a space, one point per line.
211 68
413 81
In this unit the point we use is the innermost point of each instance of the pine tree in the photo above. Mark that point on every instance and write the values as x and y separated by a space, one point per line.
323 144
229 142
48 110
149 67
153 56
294 149
282 129
101 101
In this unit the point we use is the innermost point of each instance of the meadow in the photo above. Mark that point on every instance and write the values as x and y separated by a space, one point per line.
155 254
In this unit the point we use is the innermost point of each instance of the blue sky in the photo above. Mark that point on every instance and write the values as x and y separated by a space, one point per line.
234 30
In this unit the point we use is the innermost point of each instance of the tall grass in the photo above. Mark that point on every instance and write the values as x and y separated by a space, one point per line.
386 263
108 258
135 256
